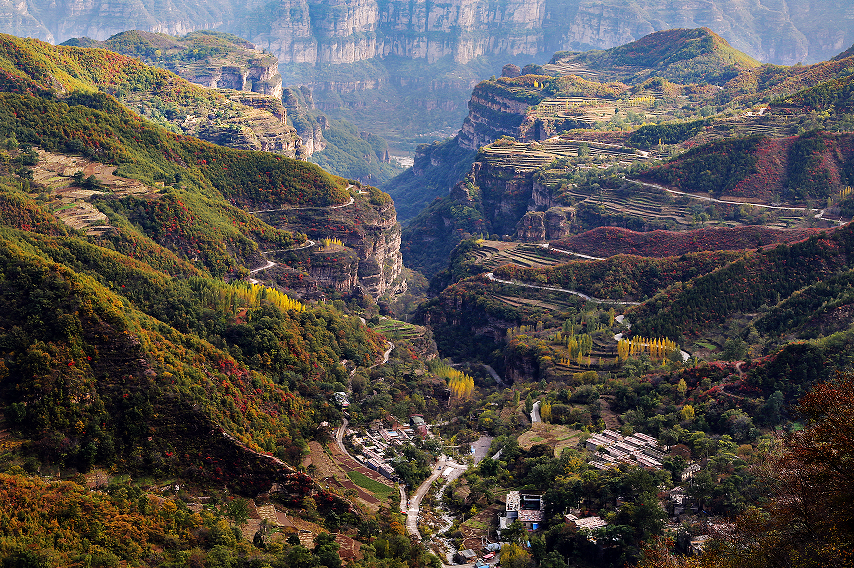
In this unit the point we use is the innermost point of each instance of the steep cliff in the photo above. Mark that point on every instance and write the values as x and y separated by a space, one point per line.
345 32
339 31
211 59
490 200
436 168
237 118
368 257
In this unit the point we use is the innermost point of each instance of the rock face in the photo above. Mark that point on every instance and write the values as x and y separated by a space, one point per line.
492 199
212 59
254 119
310 129
348 31
490 117
258 76
370 258
539 226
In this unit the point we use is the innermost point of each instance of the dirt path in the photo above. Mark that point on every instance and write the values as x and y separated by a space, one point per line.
548 246
339 206
270 264
612 422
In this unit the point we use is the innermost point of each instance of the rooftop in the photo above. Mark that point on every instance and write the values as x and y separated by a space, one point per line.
531 516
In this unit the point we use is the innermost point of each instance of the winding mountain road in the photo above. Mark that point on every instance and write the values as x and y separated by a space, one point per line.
491 276
414 508
270 264
339 206
548 246
535 413
819 215
495 376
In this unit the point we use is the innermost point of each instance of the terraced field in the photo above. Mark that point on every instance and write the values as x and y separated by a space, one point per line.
396 330
524 255
772 126
594 109
526 157
548 300
570 68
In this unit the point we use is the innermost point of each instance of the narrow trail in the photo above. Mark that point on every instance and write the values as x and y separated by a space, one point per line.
491 276
819 215
308 243
548 246
270 264
339 206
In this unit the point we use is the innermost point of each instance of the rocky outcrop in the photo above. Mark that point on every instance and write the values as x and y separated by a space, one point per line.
369 260
308 126
539 226
245 75
490 117
257 75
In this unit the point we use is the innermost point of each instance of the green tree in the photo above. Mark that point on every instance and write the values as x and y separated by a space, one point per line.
735 349
514 556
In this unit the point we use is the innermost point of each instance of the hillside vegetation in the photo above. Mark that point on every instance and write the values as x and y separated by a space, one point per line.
681 55
158 94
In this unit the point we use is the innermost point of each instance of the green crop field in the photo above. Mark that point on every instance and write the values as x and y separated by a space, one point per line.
381 490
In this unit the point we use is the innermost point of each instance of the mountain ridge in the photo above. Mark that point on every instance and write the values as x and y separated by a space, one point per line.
300 31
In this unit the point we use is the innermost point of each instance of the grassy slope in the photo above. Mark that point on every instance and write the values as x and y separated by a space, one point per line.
682 55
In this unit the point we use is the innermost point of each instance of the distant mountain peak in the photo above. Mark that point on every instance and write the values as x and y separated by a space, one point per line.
696 55
847 53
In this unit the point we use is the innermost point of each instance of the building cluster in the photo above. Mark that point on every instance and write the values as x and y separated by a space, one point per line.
373 446
527 508
611 448
340 398
576 524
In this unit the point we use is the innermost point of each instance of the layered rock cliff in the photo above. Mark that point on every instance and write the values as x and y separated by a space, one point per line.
368 258
493 199
247 110
492 114
212 59
347 31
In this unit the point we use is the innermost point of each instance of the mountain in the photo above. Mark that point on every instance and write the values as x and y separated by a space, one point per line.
510 106
679 55
226 62
811 167
130 336
243 120
211 59
403 71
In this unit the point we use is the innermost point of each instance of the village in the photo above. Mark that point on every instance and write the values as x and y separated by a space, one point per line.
377 446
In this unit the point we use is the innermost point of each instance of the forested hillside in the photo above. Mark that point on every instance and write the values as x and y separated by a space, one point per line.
159 95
